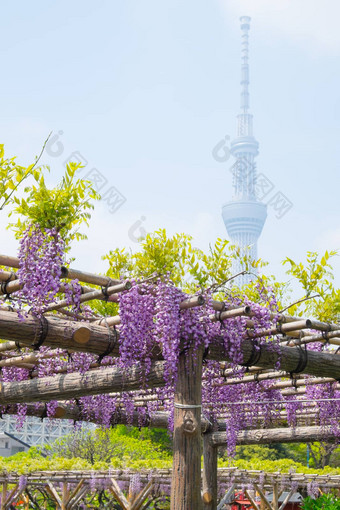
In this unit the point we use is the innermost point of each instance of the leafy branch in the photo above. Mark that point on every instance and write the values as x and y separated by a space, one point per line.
13 175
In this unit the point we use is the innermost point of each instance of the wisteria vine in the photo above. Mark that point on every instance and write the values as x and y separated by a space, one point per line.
153 323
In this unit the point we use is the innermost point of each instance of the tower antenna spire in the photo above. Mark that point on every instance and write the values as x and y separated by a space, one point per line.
245 27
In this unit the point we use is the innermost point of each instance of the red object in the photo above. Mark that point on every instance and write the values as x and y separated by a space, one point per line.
242 503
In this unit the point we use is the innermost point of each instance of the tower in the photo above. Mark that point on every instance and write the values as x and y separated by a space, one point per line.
244 216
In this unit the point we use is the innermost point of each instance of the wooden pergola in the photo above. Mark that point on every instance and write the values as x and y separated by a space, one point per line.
69 489
59 328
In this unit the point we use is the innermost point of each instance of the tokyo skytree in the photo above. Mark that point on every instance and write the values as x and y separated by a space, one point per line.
244 216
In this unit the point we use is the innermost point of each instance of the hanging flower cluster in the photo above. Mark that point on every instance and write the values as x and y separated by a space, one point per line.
40 258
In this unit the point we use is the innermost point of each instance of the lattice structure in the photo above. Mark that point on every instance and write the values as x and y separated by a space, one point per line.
36 431
72 489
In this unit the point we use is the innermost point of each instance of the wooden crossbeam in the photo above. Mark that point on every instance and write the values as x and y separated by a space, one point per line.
252 500
227 497
276 435
263 496
53 492
75 385
287 498
119 495
95 339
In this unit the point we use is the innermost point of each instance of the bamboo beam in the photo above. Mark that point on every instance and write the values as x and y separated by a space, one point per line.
15 285
95 294
191 302
281 318
229 314
330 337
226 372
291 383
286 328
71 274
301 382
255 378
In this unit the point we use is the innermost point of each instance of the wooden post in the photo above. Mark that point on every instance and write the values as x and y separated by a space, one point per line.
65 496
3 496
209 474
186 470
275 503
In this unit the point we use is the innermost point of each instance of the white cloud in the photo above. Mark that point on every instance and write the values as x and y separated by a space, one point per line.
309 23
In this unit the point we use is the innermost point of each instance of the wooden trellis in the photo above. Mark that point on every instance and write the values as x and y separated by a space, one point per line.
60 328
68 489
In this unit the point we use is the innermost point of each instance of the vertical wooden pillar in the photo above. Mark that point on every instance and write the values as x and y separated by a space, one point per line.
64 496
186 468
209 474
3 496
275 503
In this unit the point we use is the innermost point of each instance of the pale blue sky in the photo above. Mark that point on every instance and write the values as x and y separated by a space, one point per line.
144 89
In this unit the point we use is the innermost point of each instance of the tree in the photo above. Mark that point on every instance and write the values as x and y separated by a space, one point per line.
320 299
126 444
64 207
